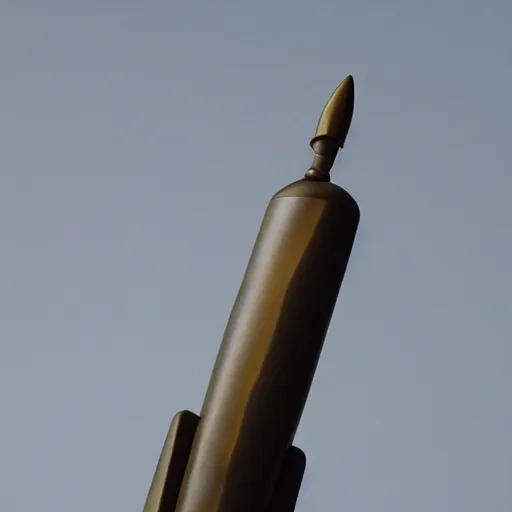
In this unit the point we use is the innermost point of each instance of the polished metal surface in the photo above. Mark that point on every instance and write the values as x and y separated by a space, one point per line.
337 114
238 455
288 483
166 484
270 349
332 130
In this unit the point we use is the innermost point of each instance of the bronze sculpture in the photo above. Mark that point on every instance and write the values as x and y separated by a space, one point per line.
237 456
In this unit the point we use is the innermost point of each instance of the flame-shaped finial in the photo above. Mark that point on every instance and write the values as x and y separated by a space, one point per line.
332 130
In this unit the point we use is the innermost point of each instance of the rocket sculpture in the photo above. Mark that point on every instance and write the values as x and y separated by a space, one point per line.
237 455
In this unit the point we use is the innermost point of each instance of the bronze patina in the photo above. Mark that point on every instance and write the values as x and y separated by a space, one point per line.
237 455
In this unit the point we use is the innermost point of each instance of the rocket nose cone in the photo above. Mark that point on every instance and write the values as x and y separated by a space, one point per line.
349 79
347 84
337 114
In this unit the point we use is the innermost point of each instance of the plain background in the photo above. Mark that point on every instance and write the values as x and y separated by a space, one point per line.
140 143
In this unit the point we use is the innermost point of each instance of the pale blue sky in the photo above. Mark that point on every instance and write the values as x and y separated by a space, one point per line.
140 143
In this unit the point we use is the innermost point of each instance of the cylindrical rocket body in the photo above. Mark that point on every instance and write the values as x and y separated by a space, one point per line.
270 349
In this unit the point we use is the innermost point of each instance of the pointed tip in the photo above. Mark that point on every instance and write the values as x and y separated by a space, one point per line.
336 117
348 78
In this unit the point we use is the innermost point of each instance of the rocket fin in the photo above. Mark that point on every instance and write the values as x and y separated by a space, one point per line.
288 484
165 487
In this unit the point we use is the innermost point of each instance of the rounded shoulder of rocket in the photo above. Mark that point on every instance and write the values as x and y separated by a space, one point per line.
323 190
